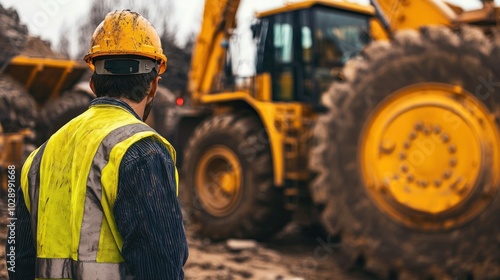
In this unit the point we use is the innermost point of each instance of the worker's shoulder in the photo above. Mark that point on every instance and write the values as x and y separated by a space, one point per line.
149 148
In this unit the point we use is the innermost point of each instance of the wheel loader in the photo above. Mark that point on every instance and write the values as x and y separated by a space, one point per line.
382 120
37 93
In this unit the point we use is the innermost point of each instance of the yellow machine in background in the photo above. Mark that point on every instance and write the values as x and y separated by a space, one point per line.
382 118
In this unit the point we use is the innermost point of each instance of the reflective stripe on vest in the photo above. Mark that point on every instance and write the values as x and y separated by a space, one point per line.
99 243
70 269
90 231
34 187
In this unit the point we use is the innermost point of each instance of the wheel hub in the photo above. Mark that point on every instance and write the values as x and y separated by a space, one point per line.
428 154
218 181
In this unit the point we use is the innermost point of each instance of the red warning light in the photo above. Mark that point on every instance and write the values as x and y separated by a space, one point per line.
179 101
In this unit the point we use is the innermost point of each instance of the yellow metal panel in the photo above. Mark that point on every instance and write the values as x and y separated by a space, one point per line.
263 86
40 62
412 14
285 85
32 75
377 30
344 5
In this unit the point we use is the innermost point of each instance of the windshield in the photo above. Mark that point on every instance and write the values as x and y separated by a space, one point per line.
340 35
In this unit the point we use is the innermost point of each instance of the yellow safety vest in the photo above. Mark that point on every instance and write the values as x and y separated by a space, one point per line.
70 185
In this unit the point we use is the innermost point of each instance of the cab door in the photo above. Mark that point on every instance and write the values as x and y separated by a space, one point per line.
284 70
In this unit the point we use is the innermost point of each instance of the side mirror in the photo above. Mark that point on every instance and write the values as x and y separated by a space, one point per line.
255 27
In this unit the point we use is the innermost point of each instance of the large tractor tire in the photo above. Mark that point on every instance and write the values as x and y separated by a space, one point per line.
17 107
408 160
229 180
60 111
18 115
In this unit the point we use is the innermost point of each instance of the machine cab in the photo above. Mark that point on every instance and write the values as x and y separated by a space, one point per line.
304 48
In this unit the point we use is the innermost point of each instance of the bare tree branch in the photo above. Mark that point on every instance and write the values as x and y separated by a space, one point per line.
64 44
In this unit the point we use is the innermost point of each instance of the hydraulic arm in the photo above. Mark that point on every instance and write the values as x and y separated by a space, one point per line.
219 18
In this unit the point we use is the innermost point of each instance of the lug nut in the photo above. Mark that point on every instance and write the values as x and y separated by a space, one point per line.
453 162
419 126
425 183
426 130
410 178
387 147
404 168
422 183
402 156
445 138
452 149
437 129
412 135
406 144
447 174
437 183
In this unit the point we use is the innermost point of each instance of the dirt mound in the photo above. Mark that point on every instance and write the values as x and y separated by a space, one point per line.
14 40
37 47
12 35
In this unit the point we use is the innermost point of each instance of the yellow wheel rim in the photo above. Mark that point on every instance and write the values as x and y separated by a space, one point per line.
218 181
429 156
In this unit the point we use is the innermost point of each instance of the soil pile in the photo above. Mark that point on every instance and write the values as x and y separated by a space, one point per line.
13 35
36 47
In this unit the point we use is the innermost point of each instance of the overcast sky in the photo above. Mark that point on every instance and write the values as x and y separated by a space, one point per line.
45 17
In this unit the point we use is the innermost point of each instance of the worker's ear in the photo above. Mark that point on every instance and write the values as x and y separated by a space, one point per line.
91 83
153 87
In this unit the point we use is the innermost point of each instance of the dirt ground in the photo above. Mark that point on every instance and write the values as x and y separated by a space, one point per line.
293 255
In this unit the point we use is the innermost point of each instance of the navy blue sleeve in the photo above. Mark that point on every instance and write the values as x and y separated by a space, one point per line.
19 242
148 214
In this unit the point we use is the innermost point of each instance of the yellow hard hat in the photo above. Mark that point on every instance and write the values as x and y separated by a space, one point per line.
126 33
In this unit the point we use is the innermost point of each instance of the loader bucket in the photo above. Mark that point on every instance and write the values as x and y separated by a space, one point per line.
45 78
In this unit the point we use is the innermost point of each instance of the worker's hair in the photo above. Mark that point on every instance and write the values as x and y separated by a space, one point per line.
133 87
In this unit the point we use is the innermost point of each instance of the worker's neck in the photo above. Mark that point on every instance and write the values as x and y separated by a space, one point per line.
137 107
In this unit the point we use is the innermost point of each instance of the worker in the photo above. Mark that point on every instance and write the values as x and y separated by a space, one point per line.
98 200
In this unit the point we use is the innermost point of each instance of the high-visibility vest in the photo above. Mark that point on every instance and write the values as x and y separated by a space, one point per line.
70 185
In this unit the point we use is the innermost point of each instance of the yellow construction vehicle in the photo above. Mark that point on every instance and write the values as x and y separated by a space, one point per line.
32 83
382 118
